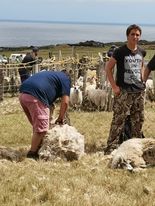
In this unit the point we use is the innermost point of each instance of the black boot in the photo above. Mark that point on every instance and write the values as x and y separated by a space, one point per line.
32 155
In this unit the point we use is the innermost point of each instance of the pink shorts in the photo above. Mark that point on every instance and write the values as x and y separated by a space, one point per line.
36 112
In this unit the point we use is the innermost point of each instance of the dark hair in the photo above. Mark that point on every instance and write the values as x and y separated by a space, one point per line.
35 49
133 26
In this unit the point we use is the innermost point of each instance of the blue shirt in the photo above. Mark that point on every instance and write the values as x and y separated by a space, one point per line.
47 86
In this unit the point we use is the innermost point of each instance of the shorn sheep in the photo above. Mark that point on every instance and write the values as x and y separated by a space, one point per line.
134 153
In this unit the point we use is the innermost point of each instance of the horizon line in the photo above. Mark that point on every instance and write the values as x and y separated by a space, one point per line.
71 22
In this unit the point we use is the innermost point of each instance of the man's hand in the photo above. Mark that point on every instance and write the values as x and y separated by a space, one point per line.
59 121
144 83
116 90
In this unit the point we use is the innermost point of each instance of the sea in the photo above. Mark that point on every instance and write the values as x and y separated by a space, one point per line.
28 33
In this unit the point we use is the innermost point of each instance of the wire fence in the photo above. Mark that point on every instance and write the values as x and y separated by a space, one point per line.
10 81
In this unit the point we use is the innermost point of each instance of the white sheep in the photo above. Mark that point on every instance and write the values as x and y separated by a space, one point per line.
76 97
134 153
149 84
149 92
90 81
90 87
97 97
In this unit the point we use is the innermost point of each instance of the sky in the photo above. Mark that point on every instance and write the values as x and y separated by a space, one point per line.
93 11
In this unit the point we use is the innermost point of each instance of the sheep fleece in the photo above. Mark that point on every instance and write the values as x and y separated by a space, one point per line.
64 142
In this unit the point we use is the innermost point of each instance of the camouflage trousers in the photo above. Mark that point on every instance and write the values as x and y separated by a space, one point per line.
126 104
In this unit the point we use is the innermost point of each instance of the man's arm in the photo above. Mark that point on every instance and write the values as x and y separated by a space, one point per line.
63 109
146 73
109 71
150 67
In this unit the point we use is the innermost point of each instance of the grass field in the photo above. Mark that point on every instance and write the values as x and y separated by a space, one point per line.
86 182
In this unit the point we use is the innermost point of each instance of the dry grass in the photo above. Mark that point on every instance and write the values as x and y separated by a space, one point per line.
87 182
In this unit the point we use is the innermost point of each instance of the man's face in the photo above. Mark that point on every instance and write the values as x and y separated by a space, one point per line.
35 53
134 36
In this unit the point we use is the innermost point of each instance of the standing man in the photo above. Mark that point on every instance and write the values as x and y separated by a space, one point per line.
150 67
128 87
29 61
37 95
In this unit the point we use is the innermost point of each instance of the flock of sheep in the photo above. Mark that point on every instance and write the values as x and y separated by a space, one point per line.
94 98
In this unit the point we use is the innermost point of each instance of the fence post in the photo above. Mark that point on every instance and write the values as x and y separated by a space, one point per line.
60 55
1 84
85 80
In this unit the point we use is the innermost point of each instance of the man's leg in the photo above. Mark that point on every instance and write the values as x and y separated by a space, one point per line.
120 112
137 115
40 122
36 142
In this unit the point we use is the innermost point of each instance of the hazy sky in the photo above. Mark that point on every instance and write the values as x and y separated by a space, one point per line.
101 11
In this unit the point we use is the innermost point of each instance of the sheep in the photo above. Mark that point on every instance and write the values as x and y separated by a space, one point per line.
97 98
149 84
134 153
149 92
90 81
90 85
76 97
6 83
89 88
11 84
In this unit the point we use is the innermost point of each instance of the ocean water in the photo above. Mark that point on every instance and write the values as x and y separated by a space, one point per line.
22 33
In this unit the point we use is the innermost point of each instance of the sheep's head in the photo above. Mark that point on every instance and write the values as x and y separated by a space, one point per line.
149 155
76 89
